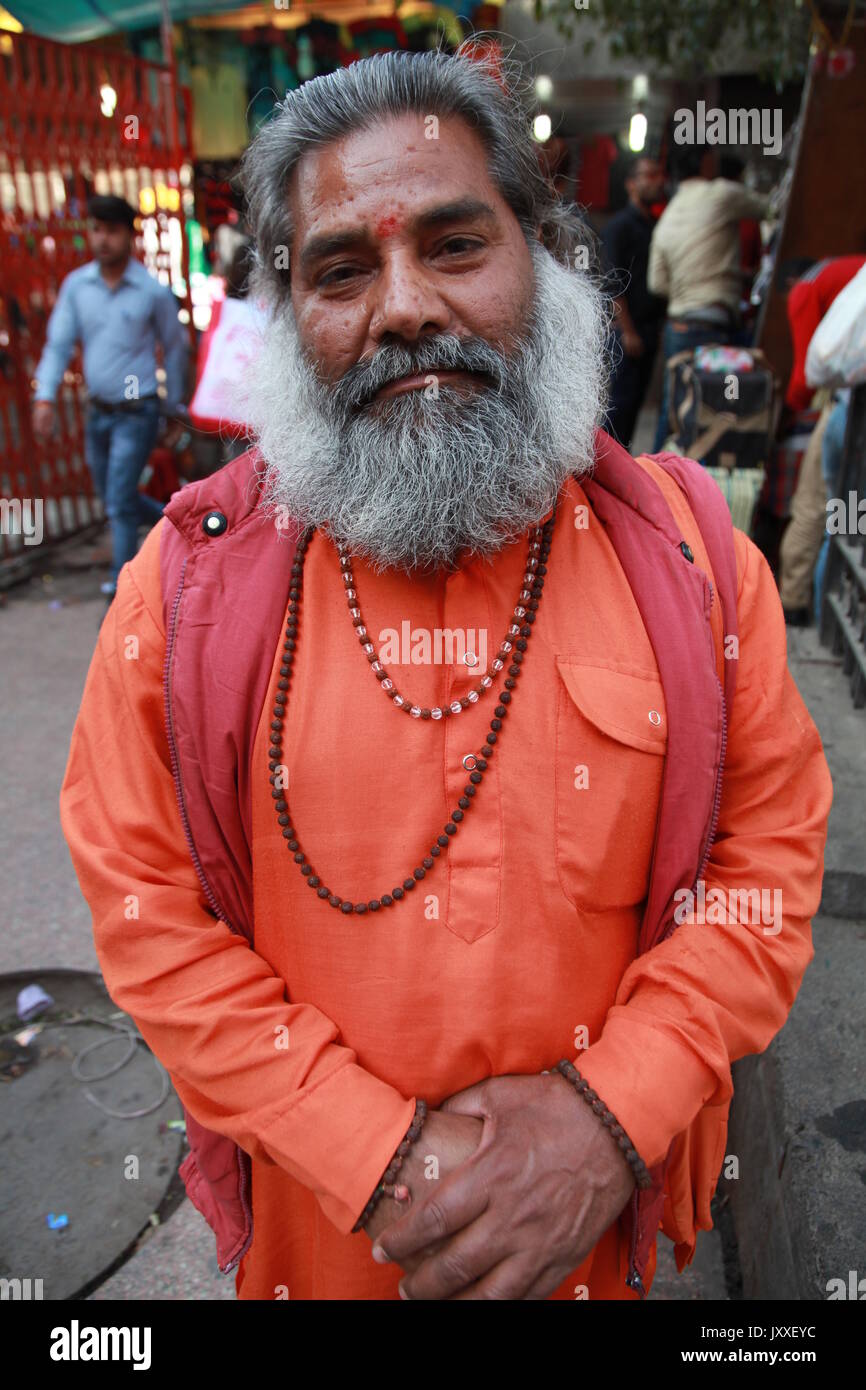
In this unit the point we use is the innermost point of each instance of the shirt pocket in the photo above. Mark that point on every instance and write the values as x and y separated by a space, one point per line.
611 740
131 324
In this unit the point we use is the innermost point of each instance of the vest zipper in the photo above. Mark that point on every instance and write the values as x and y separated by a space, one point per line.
209 893
717 799
633 1279
717 795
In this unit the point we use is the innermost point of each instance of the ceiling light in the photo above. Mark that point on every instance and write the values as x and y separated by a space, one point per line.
541 128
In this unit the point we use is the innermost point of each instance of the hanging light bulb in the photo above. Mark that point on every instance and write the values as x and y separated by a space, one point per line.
541 128
637 132
107 99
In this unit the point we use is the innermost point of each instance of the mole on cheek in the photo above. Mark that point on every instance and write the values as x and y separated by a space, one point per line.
388 225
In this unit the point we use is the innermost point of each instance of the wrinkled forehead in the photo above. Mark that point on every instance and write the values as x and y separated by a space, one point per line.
387 174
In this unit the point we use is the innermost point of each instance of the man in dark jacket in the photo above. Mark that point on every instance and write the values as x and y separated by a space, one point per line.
639 314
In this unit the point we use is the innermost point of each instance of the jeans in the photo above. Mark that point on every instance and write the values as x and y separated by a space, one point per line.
679 334
117 446
831 459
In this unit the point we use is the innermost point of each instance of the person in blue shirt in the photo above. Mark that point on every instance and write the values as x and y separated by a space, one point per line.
118 312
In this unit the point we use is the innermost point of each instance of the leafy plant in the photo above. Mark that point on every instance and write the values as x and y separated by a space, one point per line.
689 37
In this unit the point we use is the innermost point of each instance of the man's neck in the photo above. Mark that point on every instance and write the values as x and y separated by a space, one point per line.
641 208
112 275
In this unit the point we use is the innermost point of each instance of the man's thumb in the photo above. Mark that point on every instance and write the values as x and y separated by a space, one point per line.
468 1102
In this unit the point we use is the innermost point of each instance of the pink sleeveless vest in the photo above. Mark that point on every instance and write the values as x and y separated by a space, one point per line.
225 585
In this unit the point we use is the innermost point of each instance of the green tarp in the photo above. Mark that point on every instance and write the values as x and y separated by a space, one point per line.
76 20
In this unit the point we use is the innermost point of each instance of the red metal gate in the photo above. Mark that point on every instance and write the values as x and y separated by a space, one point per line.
73 121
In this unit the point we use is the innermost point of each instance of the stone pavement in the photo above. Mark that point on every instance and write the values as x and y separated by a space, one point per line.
49 629
798 1129
799 1107
843 733
798 1123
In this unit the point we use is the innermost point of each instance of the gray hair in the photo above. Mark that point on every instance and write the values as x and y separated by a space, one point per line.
489 98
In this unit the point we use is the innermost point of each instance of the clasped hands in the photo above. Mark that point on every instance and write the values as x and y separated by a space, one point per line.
528 1181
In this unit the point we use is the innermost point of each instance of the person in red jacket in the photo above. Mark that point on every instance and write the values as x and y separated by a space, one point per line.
809 298
812 288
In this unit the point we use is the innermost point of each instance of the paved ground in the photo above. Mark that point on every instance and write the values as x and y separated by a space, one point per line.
798 1124
843 731
49 628
49 631
176 1260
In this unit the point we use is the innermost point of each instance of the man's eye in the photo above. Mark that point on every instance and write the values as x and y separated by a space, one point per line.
459 245
337 274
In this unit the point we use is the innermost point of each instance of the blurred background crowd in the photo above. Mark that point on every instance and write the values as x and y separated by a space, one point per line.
724 239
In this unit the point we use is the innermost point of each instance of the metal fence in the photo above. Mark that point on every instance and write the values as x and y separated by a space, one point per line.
843 611
74 120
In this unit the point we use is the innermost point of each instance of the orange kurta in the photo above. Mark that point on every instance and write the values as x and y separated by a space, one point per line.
518 948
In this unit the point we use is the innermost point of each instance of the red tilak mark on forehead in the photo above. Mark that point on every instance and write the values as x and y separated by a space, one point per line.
387 226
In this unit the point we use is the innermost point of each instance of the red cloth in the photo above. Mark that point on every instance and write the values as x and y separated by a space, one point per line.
204 347
163 481
808 302
596 157
780 484
750 245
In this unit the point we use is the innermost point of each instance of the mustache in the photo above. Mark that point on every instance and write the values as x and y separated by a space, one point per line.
358 386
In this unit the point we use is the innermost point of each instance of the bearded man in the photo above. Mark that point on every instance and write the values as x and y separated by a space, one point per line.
448 951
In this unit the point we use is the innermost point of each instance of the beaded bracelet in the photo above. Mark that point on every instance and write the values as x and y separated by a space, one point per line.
385 1186
609 1120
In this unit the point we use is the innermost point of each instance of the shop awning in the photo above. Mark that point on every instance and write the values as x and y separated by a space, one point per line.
73 21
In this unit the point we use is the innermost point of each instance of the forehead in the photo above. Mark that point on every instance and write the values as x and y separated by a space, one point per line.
393 170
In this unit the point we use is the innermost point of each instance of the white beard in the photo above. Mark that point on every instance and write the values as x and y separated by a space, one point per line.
415 479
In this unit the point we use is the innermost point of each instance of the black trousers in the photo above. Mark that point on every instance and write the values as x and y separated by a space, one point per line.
629 384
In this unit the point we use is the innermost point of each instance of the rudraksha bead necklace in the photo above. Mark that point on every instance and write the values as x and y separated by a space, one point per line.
476 764
511 638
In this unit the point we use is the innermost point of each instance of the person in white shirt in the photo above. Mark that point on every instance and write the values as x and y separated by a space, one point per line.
694 259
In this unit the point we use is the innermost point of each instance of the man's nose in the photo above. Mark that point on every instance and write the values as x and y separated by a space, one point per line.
407 303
